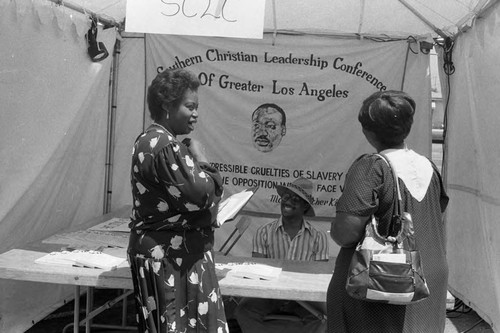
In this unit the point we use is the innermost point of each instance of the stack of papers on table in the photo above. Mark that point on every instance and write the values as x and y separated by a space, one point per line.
119 224
251 270
82 258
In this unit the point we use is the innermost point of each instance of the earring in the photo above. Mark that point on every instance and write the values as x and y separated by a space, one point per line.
165 108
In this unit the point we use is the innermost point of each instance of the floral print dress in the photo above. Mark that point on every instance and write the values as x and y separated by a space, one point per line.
170 250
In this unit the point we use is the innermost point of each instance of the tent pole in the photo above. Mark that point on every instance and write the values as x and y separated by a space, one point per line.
423 19
479 10
113 87
105 21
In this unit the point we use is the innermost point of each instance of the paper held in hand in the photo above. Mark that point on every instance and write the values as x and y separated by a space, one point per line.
82 258
229 208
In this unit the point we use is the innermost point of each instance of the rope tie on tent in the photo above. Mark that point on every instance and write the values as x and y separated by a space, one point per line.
411 40
361 19
275 32
448 69
448 66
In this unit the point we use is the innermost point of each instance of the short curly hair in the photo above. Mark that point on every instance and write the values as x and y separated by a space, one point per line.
168 88
388 114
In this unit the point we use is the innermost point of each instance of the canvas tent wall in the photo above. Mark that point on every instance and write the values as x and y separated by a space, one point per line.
53 125
57 135
472 174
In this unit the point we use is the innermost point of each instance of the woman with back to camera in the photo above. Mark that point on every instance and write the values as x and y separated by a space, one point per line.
386 119
175 195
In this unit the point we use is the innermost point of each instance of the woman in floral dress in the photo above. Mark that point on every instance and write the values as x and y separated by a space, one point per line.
175 195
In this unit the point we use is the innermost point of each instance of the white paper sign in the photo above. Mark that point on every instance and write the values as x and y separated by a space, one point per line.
223 18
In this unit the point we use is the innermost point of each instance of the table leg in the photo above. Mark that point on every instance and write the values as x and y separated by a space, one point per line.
88 308
124 309
319 314
76 309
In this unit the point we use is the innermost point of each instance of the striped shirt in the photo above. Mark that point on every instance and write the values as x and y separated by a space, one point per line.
272 241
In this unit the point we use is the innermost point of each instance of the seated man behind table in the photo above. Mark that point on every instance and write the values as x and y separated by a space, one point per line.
290 237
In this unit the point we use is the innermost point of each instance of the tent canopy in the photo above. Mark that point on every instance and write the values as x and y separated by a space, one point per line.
386 18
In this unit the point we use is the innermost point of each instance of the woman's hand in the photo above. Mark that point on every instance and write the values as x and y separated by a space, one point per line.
196 149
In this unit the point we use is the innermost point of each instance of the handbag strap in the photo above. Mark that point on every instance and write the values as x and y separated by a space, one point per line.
397 192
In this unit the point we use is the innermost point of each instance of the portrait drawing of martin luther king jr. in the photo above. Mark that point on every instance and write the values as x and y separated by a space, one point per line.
268 127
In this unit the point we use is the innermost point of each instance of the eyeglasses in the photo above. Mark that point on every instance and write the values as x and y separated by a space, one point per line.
292 197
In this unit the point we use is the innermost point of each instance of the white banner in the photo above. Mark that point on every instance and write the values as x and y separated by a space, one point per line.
316 84
224 18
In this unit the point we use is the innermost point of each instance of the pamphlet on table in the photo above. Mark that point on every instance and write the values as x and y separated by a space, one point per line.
82 258
250 270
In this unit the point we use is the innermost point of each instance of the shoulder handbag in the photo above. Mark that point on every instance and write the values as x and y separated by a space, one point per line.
387 269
